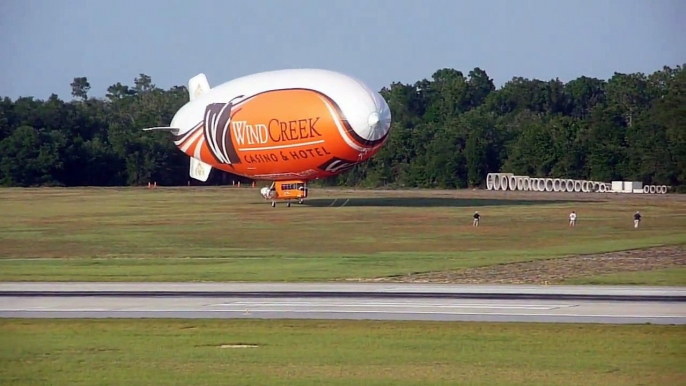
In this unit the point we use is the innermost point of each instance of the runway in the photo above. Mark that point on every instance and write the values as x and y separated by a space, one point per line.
547 304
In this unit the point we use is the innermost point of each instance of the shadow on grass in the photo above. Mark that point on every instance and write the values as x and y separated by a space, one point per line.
423 202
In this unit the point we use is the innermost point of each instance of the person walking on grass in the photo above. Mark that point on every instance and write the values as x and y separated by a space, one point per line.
572 219
475 222
637 219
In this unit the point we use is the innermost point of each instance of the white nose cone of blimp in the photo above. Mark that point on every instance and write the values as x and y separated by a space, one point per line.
368 115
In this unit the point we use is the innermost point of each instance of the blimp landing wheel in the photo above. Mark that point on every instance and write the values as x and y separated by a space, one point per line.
273 204
300 201
288 204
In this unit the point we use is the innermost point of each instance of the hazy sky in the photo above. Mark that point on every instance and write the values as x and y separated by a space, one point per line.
44 44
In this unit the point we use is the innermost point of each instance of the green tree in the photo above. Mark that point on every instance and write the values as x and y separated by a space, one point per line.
448 131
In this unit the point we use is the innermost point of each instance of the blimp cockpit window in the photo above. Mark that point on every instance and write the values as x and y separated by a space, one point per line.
293 186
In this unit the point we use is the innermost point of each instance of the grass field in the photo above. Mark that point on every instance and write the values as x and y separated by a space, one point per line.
222 234
670 276
173 352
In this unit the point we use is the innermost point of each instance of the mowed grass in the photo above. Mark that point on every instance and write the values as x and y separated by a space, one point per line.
228 234
669 276
176 352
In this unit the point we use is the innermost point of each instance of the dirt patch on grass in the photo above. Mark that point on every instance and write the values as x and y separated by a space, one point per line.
554 270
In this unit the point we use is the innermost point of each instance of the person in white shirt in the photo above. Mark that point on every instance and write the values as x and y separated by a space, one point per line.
572 219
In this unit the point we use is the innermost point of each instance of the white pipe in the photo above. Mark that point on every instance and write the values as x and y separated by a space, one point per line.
652 189
577 186
570 185
646 188
664 189
496 181
533 185
526 183
489 181
602 188
557 185
596 186
504 179
562 186
512 182
541 184
520 183
548 184
586 186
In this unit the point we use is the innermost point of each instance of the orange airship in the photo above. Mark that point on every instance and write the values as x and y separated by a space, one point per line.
287 126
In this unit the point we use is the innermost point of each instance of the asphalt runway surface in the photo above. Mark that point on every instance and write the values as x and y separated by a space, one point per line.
498 303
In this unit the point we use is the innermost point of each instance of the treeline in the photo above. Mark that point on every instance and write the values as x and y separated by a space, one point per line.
448 132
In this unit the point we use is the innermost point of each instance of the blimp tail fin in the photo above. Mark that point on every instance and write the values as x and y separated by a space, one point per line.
199 170
197 86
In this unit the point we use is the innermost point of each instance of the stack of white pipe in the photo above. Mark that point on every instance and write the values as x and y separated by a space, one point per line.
512 182
655 189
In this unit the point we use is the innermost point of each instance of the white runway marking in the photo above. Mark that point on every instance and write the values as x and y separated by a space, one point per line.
398 304
335 311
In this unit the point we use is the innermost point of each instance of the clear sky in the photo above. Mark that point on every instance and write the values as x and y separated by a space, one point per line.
44 44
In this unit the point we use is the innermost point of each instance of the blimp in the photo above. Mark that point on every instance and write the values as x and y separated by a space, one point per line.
287 127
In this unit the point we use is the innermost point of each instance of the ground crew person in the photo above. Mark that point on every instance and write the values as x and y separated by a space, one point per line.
637 219
477 216
572 219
